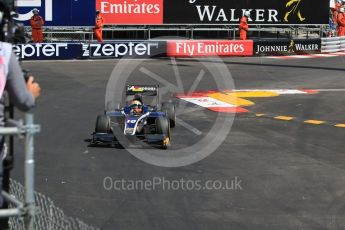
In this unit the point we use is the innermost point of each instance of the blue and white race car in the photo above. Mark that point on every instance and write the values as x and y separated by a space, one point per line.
147 122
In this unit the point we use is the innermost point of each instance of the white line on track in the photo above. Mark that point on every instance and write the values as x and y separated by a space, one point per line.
330 90
319 90
188 126
325 55
86 60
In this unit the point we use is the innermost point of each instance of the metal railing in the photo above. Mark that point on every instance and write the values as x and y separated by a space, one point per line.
27 209
332 44
148 32
47 216
24 208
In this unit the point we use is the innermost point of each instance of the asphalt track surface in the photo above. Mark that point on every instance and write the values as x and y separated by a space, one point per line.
291 175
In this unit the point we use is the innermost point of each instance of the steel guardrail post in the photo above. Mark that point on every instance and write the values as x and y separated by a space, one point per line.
319 31
29 172
149 33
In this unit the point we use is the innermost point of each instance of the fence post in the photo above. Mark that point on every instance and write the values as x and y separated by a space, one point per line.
149 33
29 172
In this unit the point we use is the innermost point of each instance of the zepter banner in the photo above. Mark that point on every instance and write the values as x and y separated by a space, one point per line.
67 51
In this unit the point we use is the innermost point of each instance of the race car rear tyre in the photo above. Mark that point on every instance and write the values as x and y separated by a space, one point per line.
163 127
102 124
169 109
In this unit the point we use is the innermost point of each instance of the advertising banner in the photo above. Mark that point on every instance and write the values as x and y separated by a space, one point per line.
67 51
59 12
205 48
135 49
286 46
158 12
170 48
47 51
263 12
131 11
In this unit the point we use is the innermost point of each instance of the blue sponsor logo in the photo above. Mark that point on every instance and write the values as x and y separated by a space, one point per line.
58 12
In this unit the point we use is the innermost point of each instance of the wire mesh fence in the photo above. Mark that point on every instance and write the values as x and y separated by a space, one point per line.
85 34
66 36
48 216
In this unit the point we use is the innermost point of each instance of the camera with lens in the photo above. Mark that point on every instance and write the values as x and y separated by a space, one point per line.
10 30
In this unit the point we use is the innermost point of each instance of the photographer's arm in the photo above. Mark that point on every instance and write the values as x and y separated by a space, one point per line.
22 95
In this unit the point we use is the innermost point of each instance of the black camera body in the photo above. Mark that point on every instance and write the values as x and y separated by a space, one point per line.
10 30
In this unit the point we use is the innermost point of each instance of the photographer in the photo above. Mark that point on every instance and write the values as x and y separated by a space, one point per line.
21 94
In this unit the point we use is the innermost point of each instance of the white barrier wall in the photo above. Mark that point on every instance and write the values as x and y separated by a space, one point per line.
332 44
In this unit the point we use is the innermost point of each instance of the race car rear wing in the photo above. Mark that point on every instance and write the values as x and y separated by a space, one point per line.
145 90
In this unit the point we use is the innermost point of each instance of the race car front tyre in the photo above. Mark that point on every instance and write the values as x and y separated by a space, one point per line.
169 109
163 127
102 124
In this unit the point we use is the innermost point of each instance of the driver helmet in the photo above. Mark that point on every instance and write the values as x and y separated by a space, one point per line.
136 107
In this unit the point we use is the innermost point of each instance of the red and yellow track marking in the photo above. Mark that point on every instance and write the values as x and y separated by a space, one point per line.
233 101
300 120
231 98
254 94
284 118
314 122
323 55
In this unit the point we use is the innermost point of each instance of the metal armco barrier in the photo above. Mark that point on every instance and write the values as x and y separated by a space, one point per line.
27 208
332 44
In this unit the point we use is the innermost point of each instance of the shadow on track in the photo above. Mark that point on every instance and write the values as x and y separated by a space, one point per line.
260 64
